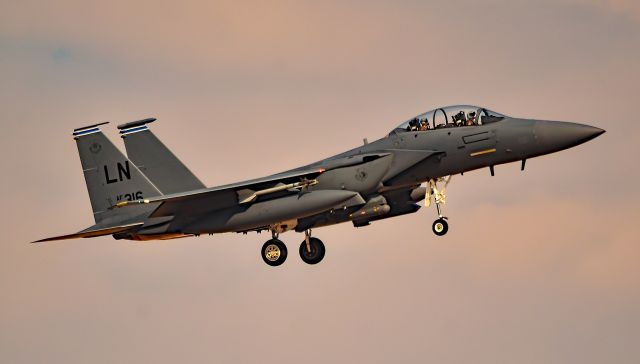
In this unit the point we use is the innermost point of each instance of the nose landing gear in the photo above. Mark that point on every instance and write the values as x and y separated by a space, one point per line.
440 226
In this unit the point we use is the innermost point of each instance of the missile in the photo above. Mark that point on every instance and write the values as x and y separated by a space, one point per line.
290 186
129 203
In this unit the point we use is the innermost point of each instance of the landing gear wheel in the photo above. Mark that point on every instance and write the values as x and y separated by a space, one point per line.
317 251
274 252
440 227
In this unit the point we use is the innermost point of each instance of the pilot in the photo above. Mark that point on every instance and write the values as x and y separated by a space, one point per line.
414 124
424 126
471 120
459 119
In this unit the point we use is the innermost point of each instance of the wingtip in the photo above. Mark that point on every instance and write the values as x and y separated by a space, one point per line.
44 240
40 241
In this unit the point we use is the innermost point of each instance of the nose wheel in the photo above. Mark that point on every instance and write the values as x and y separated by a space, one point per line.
440 226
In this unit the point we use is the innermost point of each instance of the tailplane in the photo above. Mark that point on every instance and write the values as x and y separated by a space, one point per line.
93 232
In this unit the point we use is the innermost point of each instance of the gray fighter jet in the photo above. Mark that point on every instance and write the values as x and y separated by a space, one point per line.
151 195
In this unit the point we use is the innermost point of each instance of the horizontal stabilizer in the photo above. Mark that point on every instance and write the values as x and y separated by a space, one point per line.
92 232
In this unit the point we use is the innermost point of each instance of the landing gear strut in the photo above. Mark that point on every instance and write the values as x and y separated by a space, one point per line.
311 249
274 252
440 226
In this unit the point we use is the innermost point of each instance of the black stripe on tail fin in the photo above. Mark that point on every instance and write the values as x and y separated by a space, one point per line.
155 160
111 177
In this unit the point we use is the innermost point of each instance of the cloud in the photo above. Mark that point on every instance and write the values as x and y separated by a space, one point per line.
627 8
62 55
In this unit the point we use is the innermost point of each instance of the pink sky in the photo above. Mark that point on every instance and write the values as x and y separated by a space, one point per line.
540 266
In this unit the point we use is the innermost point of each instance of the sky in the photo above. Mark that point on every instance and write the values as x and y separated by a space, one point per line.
539 266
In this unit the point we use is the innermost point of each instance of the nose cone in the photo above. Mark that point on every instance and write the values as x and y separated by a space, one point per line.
553 136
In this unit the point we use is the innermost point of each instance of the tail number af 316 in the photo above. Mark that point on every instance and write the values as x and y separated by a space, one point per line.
130 196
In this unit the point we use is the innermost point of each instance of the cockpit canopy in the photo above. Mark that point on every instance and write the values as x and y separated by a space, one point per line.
450 116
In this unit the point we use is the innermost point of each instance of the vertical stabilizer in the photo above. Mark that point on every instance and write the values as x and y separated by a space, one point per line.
155 160
111 177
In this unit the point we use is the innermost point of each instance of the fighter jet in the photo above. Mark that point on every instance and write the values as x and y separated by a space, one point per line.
152 195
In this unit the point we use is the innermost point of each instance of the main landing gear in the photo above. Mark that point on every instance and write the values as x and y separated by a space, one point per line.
440 226
274 251
311 249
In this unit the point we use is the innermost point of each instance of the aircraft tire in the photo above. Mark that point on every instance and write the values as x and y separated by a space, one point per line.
317 251
440 227
274 252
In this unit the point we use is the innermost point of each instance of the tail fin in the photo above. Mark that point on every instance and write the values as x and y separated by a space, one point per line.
110 177
155 160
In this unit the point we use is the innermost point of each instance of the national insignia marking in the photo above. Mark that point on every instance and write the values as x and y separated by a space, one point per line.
361 175
95 148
